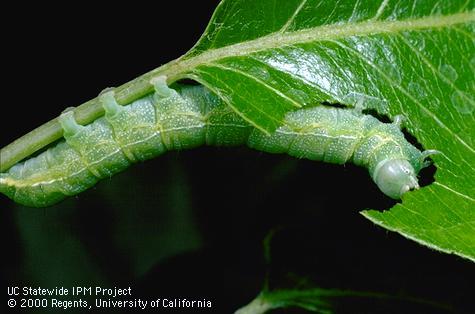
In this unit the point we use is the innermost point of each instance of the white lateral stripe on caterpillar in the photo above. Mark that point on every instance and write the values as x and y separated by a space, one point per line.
22 183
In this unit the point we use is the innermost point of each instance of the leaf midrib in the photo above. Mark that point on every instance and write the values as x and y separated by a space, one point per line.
320 33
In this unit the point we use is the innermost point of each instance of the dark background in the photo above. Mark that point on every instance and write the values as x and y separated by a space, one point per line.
192 224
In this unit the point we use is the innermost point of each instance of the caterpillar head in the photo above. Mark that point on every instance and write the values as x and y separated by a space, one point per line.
395 177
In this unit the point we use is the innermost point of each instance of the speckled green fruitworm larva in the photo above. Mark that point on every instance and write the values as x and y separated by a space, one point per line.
191 116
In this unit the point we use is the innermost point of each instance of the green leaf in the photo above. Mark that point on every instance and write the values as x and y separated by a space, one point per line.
415 58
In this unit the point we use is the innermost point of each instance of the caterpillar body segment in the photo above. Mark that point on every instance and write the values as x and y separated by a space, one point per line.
191 116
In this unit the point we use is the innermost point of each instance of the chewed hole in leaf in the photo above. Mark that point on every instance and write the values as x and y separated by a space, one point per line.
334 105
427 174
412 139
381 117
187 81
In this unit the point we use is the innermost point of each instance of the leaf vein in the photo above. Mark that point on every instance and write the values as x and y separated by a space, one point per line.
380 10
454 191
292 18
278 92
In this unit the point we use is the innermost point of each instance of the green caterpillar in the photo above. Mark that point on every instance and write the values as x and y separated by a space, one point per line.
191 116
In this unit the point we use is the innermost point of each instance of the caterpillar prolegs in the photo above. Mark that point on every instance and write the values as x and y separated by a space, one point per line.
190 116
